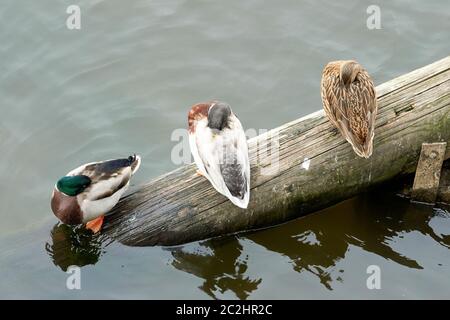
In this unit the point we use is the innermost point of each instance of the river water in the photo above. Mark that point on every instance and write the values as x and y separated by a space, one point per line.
124 82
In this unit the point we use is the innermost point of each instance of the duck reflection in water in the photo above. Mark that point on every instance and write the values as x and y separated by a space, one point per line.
73 245
316 243
219 262
373 222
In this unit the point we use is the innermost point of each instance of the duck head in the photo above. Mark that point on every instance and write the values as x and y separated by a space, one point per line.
64 202
349 71
218 115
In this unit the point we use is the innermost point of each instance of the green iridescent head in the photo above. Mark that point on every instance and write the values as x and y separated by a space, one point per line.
73 185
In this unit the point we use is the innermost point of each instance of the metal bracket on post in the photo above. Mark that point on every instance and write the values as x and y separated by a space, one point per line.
428 173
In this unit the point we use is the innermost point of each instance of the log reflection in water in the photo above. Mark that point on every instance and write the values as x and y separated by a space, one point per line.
220 263
316 243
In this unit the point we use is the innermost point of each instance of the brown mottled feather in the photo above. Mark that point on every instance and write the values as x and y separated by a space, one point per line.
349 101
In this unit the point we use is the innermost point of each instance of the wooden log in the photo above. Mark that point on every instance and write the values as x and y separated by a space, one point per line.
428 172
311 167
444 186
403 187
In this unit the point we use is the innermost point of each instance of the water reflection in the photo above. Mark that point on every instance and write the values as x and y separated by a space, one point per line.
315 244
73 245
220 263
374 222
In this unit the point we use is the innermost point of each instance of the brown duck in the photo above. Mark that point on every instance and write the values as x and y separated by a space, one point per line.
349 100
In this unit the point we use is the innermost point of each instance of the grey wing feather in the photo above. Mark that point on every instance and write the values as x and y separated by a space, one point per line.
232 171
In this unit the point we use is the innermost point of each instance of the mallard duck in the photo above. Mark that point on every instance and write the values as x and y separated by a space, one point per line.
86 193
219 147
349 100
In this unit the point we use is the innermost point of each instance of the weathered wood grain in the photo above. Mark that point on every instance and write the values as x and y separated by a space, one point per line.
444 186
428 172
403 187
180 206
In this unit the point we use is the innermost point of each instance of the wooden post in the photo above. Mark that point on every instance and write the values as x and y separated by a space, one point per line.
312 167
444 186
428 172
